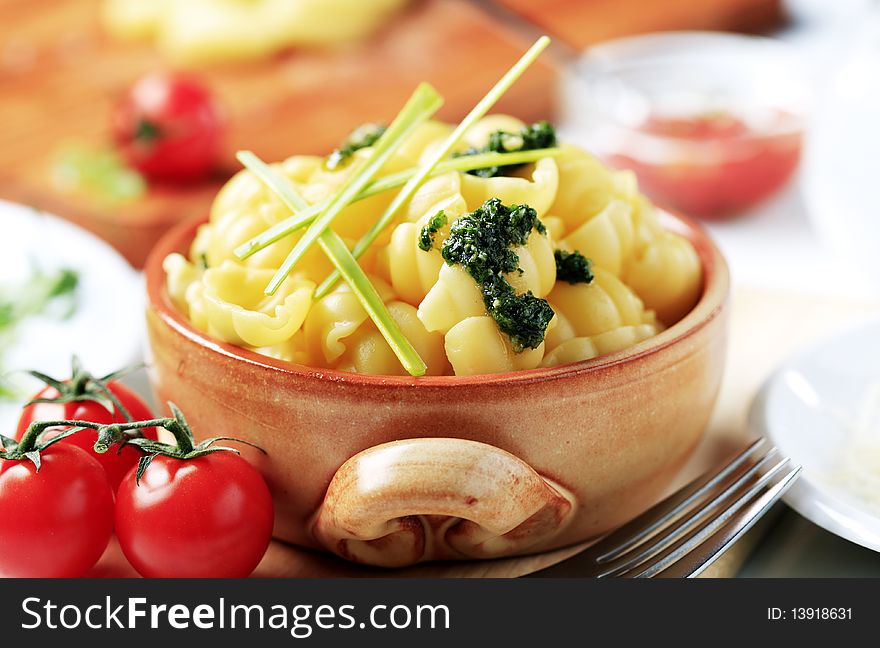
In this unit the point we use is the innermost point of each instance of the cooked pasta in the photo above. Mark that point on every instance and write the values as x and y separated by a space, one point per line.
640 277
476 346
205 31
536 190
598 306
228 302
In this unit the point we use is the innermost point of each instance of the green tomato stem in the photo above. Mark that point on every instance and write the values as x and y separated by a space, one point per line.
29 441
82 386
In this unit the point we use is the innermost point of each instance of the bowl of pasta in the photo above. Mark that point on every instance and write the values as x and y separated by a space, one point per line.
571 338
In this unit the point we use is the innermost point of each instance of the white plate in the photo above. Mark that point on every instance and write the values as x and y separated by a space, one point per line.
811 410
106 331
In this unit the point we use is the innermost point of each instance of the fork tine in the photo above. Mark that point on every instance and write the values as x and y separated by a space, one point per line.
713 501
697 560
694 538
658 516
656 524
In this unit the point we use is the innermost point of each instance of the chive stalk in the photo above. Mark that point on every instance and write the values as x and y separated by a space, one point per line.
423 103
336 250
441 152
463 164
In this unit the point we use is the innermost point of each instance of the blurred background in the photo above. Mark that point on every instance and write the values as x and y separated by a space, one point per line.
758 117
287 76
712 124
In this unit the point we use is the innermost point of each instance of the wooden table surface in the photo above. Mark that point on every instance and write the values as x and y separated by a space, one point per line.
765 327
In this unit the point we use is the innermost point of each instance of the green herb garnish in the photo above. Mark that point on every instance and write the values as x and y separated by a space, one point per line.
434 225
539 135
335 249
303 218
442 151
98 172
8 390
524 318
43 293
36 295
423 103
482 242
573 267
361 137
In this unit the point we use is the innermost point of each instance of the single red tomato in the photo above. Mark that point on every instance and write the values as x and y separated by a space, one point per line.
169 127
118 461
55 522
209 516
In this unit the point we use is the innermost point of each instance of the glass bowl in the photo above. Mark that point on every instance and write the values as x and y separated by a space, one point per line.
711 123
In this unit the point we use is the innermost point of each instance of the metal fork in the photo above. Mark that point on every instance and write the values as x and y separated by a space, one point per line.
686 532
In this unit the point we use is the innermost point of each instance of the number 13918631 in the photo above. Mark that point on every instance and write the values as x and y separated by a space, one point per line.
810 614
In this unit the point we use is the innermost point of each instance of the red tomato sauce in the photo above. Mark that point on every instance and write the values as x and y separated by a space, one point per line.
723 168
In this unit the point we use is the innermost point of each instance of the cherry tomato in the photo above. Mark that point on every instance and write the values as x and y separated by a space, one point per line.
54 523
169 127
116 463
206 517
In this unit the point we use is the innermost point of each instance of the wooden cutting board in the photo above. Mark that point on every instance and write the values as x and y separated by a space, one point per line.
765 327
60 75
583 22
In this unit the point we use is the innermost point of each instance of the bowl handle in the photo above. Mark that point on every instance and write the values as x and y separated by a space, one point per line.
407 501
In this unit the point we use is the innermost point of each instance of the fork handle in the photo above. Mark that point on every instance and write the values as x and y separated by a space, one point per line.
407 501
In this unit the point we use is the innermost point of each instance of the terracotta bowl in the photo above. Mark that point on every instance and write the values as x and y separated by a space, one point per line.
397 470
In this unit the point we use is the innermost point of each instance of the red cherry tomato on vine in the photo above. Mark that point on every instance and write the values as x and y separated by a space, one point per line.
169 127
116 462
54 523
206 517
